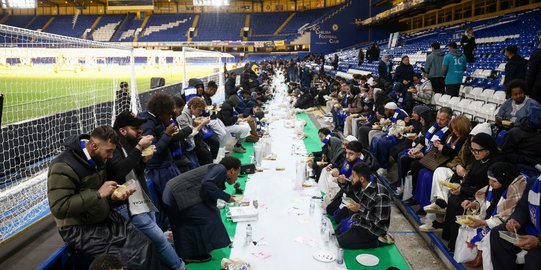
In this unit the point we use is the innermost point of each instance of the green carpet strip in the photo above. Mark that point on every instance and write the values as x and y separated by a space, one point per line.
219 254
388 255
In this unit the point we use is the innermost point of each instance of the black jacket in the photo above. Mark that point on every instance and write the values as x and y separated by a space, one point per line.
383 72
403 72
304 101
533 75
227 114
372 54
162 158
230 87
515 68
521 145
469 45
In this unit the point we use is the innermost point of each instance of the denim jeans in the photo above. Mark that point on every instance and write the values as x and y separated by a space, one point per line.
146 223
381 149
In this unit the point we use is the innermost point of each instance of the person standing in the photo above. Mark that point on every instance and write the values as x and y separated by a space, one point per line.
190 201
533 75
454 65
230 84
80 198
360 57
516 66
128 163
122 100
468 43
433 67
384 69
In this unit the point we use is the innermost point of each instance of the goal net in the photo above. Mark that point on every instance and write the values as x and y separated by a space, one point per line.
207 66
53 87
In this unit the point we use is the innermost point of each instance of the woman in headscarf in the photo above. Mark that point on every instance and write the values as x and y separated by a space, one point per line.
384 69
495 203
453 172
485 151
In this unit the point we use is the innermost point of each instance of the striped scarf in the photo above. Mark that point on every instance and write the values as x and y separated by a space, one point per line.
190 92
535 209
434 135
482 231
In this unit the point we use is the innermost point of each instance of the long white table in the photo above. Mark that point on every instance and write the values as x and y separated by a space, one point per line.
287 234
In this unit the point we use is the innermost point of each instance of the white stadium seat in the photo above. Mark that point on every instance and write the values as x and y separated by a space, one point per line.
436 98
463 106
453 103
475 93
443 101
471 111
498 97
486 95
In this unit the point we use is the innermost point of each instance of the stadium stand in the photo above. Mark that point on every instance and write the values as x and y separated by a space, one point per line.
127 28
219 27
167 27
39 22
106 27
19 21
64 25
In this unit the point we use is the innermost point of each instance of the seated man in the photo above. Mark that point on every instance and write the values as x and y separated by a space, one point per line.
80 200
526 221
128 163
391 114
355 154
229 117
331 153
190 201
371 211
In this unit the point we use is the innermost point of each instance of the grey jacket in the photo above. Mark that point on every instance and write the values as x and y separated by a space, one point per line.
433 64
185 120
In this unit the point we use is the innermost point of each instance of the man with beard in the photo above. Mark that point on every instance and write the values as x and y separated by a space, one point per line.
355 155
371 215
128 163
80 198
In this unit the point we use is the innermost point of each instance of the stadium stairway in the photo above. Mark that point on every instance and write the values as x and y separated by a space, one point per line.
121 27
288 19
145 21
246 24
194 26
92 27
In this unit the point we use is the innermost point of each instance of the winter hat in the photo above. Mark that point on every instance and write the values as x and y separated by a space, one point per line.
503 172
391 106
486 141
481 128
420 109
350 138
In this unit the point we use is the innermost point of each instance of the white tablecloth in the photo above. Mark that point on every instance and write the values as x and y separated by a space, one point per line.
285 230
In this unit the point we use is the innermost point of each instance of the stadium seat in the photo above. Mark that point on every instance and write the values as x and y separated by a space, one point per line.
497 98
443 101
475 93
471 111
463 106
486 113
435 98
453 103
486 95
465 91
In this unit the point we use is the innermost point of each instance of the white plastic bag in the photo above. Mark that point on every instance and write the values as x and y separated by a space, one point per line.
462 252
407 187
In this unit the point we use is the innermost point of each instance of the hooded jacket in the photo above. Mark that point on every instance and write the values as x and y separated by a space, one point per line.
522 143
72 187
227 114
162 158
515 68
403 72
533 75
433 64
454 65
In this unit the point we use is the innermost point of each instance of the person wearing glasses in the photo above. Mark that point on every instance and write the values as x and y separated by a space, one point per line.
485 152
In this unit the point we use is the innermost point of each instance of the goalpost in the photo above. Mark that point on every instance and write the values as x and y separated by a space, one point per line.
53 87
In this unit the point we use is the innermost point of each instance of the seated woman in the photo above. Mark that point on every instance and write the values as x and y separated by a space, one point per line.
304 100
526 222
485 152
448 149
453 172
371 214
515 108
494 203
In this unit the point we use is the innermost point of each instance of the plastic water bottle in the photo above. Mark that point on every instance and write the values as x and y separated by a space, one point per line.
292 149
340 256
323 223
248 233
312 206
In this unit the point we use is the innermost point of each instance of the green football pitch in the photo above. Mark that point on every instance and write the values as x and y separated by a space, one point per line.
33 92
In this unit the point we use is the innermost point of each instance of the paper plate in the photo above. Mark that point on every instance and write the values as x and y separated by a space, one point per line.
367 259
324 256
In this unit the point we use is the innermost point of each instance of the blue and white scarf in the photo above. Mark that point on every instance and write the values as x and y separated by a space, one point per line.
535 209
432 135
482 231
190 92
397 112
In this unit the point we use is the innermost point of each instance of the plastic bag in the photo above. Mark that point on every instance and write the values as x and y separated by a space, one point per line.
235 264
407 186
462 252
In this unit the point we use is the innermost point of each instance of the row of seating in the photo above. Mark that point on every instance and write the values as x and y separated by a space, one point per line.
477 110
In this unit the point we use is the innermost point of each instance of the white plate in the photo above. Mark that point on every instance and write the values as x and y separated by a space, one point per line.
367 259
324 256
